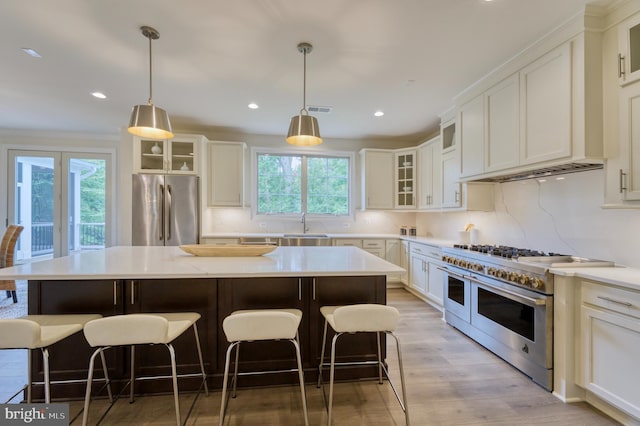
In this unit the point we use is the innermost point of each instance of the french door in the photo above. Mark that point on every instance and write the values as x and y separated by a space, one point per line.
62 199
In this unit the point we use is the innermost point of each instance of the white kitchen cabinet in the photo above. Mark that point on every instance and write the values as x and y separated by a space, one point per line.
435 289
425 278
226 174
375 246
610 341
471 127
392 254
448 132
629 50
353 242
502 125
180 155
450 184
405 179
429 175
546 103
377 179
419 272
404 262
629 171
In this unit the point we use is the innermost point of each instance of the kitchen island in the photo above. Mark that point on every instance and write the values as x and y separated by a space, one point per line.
122 280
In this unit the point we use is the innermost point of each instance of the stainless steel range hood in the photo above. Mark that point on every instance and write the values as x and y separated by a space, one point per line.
544 172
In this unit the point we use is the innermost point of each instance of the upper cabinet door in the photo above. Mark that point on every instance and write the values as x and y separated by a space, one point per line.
377 179
629 50
471 125
545 99
502 126
226 174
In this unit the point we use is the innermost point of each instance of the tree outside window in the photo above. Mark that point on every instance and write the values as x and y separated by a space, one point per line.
293 184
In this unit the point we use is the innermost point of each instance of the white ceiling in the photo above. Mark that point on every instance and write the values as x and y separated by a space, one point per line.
408 58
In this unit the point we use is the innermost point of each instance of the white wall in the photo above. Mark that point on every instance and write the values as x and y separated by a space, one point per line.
554 216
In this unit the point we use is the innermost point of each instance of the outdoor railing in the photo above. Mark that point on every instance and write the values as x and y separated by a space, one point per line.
92 235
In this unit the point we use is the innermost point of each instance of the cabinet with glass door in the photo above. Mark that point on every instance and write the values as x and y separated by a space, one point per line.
405 179
179 155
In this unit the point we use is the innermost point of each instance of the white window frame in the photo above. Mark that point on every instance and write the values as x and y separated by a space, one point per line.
255 151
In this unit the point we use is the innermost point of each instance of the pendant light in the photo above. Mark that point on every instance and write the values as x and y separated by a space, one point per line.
150 121
303 130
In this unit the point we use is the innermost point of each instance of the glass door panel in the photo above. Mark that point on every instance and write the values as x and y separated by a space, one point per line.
34 182
86 202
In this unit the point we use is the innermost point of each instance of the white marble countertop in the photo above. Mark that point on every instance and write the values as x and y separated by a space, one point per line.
618 275
127 262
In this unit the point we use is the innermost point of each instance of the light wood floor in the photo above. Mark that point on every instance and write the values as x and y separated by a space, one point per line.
450 381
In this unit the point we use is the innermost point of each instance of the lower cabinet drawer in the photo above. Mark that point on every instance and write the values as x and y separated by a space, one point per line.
611 298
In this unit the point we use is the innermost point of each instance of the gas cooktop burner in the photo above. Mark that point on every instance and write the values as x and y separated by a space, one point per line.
504 251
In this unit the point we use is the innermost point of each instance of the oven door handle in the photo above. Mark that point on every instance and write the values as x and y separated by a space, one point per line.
455 274
510 294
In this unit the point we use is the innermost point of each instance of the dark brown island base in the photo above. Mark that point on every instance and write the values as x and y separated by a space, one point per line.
164 279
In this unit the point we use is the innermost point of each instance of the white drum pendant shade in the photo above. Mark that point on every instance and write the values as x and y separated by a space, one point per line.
150 121
304 131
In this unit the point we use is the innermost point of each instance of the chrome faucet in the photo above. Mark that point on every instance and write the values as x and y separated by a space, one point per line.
304 223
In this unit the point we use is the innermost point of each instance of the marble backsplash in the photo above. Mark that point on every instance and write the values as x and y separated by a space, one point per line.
559 214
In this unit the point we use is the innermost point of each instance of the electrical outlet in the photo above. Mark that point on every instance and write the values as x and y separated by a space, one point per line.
263 225
346 225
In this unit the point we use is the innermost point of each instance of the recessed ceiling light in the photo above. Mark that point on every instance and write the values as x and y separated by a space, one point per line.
378 113
31 52
253 105
99 95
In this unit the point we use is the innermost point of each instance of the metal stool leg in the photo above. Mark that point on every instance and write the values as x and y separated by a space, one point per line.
204 375
301 378
235 372
106 376
404 404
174 374
332 376
132 377
87 395
379 358
225 382
324 342
47 384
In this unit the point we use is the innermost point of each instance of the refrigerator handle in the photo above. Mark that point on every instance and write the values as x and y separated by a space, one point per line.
169 208
161 196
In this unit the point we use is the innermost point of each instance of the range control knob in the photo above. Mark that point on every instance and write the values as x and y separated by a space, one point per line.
537 283
525 280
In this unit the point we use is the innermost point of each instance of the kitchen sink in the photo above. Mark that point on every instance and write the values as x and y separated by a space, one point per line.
305 236
305 240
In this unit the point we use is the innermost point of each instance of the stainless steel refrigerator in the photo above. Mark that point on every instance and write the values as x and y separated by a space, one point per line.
165 210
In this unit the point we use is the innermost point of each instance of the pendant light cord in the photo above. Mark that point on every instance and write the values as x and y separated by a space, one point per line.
304 83
150 74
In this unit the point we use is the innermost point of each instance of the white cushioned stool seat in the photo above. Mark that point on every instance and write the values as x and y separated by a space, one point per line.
40 332
141 329
361 318
259 325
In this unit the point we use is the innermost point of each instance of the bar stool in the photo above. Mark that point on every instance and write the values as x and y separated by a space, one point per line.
140 329
260 324
40 332
364 318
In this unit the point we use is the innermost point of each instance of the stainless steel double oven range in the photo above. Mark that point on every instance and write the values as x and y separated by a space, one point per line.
502 297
